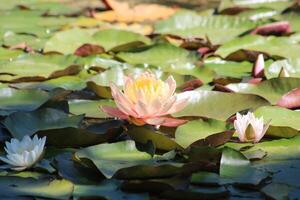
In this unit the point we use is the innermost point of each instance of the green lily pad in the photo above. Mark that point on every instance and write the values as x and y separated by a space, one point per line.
68 41
37 67
237 169
291 66
192 131
11 39
275 4
12 100
210 103
6 54
162 56
65 82
272 90
71 137
44 188
74 171
90 108
30 22
109 158
283 149
283 122
205 178
274 46
44 119
110 38
229 68
218 29
259 13
158 139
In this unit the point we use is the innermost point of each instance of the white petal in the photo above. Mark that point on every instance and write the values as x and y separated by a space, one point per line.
8 161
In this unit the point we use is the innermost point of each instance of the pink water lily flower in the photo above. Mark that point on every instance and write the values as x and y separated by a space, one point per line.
249 128
147 100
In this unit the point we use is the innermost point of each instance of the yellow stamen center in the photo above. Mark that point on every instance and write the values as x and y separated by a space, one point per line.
146 88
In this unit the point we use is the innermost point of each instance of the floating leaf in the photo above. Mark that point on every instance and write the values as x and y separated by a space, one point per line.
64 82
37 67
274 46
283 122
291 66
195 130
54 189
272 89
275 4
44 119
237 169
162 55
12 100
218 29
89 108
109 158
68 41
83 136
282 149
110 38
229 68
209 103
159 140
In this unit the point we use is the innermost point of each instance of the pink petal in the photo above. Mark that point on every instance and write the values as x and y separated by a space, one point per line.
122 102
156 107
165 121
114 112
164 108
141 109
258 68
178 105
172 85
276 28
290 99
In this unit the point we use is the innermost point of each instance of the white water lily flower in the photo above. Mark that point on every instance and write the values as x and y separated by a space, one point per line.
25 153
249 128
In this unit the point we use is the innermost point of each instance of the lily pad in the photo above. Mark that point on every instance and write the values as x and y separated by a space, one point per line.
218 29
237 169
68 41
90 108
196 130
283 122
44 119
53 189
229 68
291 66
109 158
110 38
275 4
275 46
209 103
65 82
159 140
272 90
12 100
283 149
37 67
